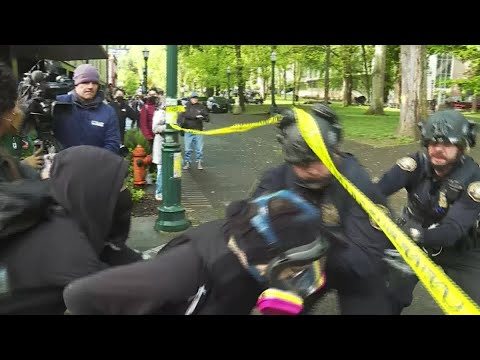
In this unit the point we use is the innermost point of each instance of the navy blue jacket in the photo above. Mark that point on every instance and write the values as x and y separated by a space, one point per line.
453 223
79 124
340 213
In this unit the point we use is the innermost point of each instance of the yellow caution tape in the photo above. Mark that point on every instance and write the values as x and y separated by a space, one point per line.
445 292
177 109
231 129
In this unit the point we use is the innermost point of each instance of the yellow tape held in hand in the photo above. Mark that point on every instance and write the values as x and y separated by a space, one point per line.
236 128
179 108
445 292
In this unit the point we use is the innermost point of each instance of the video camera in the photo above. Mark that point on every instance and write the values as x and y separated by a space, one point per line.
37 96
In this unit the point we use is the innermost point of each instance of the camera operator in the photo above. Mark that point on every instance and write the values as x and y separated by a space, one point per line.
55 231
11 118
23 194
82 117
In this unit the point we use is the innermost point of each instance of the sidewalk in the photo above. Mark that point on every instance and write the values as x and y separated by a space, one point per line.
197 208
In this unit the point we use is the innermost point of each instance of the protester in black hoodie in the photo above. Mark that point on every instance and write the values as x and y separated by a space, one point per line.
220 267
87 223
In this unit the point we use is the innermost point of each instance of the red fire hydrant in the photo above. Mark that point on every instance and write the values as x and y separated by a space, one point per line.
140 161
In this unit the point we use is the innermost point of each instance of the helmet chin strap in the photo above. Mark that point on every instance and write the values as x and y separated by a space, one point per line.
314 185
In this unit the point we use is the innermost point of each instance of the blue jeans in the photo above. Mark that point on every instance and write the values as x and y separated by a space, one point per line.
197 142
158 190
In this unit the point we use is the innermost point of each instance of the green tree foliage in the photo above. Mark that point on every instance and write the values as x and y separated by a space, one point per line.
392 68
130 67
129 78
206 65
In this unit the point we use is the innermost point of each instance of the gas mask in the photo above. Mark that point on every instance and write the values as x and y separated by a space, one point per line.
294 274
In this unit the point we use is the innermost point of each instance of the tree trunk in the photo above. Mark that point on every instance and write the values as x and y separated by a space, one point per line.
240 81
327 75
474 103
378 83
347 90
296 80
264 85
285 84
367 76
413 107
209 91
294 91
346 55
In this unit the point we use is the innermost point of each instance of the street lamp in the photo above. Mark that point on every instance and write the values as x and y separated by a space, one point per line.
145 69
273 57
229 72
171 215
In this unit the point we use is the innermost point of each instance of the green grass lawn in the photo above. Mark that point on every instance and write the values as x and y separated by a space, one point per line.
472 116
375 130
378 131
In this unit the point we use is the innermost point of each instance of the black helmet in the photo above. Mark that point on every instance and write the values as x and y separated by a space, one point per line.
295 149
449 126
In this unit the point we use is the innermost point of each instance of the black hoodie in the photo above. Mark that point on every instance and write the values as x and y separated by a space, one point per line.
85 181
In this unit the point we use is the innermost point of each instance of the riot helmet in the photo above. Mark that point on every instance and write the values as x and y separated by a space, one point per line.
448 126
295 149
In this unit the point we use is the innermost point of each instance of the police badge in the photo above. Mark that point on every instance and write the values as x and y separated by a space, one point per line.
330 214
442 200
407 163
474 191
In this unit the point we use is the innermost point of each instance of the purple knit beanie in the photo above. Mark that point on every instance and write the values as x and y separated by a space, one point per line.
86 73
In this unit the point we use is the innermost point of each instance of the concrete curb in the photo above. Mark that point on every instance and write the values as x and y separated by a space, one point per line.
198 209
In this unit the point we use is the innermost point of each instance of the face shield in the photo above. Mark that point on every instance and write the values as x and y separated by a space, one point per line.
295 273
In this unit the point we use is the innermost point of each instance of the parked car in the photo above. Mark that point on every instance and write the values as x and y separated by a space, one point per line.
185 100
253 98
459 105
217 104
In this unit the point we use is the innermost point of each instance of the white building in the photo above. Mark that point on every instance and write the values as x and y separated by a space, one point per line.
441 69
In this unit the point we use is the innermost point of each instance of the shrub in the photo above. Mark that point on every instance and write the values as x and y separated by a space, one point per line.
134 137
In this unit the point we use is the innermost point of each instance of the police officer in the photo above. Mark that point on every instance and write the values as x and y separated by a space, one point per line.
441 215
354 262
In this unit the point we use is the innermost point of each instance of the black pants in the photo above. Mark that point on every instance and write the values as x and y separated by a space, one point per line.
121 127
165 284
